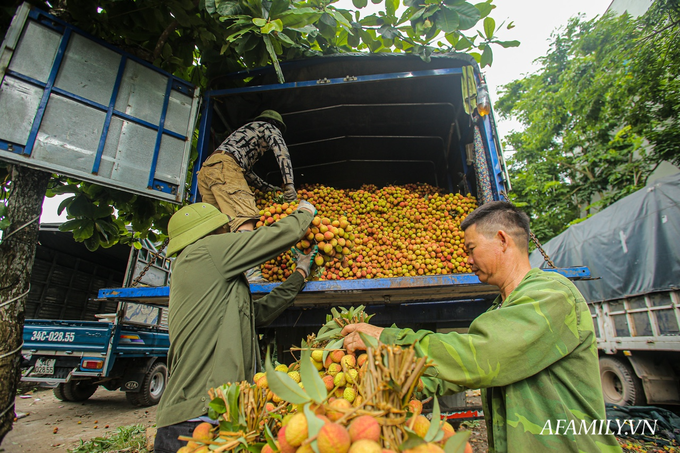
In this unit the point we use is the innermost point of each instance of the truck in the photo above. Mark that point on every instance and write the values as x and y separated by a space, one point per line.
352 119
77 344
632 248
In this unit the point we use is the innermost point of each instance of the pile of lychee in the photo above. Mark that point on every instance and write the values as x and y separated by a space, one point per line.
394 231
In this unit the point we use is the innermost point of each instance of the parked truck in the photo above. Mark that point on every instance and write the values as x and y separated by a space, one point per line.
632 248
76 343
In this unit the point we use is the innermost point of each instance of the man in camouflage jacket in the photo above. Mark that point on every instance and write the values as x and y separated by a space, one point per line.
533 353
224 176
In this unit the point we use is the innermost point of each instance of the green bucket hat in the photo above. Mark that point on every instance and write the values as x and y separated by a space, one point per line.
191 223
272 115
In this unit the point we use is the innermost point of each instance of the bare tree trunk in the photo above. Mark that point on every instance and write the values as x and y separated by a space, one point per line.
17 253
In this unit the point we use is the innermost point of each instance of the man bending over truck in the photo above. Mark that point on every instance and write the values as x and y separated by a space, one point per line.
533 353
224 176
213 317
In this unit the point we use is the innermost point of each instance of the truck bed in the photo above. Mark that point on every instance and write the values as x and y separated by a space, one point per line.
430 288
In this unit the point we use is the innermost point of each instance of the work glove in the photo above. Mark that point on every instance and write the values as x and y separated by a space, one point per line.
289 193
304 261
307 206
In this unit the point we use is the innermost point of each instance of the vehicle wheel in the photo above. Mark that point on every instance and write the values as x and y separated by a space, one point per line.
620 385
152 388
78 390
59 393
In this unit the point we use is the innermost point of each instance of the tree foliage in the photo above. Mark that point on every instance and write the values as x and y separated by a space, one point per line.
202 40
600 114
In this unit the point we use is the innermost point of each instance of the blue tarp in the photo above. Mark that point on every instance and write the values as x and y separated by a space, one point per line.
632 245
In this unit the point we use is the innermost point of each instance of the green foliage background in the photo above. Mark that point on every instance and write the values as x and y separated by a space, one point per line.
600 115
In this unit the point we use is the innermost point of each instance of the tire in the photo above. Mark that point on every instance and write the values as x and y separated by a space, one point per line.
152 388
77 390
620 385
59 392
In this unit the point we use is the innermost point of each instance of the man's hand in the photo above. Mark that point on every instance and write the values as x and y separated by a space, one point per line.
307 206
353 341
289 193
303 262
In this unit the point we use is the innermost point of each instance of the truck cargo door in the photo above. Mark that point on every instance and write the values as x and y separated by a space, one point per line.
74 105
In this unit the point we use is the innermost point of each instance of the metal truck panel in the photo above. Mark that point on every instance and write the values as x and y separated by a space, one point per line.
429 288
77 106
66 336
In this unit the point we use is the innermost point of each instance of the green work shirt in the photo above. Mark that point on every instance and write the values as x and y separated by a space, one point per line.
535 358
213 317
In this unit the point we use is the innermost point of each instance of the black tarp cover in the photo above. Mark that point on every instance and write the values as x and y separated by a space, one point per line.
632 245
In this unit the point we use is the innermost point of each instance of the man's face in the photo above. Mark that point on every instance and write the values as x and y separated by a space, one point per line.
484 254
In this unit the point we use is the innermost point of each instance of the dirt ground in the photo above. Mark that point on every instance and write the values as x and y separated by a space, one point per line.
55 426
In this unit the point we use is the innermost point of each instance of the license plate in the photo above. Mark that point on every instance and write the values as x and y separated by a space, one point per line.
44 366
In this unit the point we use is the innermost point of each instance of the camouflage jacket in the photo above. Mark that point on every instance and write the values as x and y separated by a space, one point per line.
248 143
534 356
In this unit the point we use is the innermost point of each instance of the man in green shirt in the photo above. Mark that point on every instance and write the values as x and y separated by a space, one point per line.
213 317
533 353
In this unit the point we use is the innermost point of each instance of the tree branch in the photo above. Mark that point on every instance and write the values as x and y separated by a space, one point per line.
163 38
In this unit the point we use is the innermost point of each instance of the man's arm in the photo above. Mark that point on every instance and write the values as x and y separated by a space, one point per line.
269 307
502 346
238 252
259 183
278 145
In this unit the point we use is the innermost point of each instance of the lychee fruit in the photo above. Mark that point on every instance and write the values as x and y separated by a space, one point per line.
296 430
333 438
365 446
364 427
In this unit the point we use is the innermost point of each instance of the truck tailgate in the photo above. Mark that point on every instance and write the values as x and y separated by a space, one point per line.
88 337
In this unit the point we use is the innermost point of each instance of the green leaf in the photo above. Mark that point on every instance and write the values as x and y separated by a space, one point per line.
92 243
269 437
456 443
81 207
276 25
229 8
464 43
299 17
208 5
314 425
485 8
232 396
468 15
391 7
452 38
487 57
332 346
283 385
3 209
368 340
4 224
412 440
434 430
507 44
274 58
489 27
217 404
446 20
368 21
65 203
341 19
259 21
278 7
70 188
329 334
359 3
314 385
